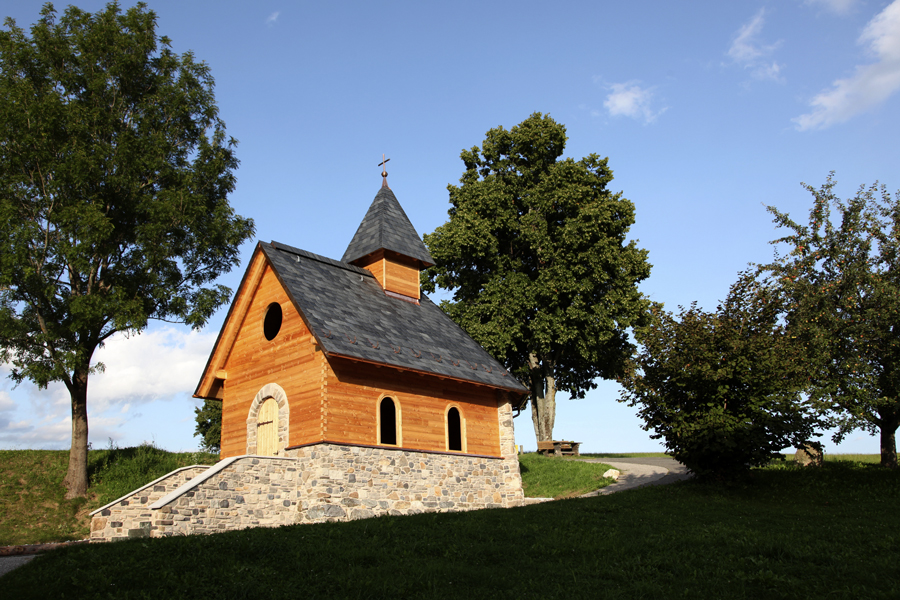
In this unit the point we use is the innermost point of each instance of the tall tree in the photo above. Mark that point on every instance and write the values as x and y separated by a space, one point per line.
723 389
114 176
536 256
209 425
841 284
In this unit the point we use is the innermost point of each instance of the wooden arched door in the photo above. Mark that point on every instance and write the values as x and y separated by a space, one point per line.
267 428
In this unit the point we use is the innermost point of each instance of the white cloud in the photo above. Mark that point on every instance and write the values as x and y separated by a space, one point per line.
26 434
158 365
150 366
629 99
745 47
838 7
870 85
6 411
271 19
883 33
6 403
749 51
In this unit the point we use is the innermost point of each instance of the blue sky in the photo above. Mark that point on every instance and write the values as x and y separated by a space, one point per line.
708 111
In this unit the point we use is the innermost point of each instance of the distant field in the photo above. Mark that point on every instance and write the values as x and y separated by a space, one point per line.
861 458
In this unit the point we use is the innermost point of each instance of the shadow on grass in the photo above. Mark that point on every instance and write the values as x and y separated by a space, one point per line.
786 533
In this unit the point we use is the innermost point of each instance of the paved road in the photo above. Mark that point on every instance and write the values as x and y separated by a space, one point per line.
8 563
638 472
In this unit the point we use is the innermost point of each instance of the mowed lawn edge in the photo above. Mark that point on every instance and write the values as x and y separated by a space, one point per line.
783 533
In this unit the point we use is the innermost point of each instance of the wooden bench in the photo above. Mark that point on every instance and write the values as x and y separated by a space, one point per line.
559 448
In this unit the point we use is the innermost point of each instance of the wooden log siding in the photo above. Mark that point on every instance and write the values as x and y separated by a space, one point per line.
354 388
210 385
289 359
336 400
401 278
395 273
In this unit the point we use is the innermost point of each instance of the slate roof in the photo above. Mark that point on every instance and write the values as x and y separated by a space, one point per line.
387 227
349 314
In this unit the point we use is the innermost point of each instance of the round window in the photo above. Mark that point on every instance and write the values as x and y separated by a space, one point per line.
272 322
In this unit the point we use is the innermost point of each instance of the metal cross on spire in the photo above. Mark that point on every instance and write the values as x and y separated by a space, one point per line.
383 165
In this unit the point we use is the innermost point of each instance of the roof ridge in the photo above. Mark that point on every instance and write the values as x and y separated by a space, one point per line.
318 258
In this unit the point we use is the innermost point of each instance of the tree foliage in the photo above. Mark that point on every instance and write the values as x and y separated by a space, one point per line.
209 425
723 389
114 175
841 287
536 256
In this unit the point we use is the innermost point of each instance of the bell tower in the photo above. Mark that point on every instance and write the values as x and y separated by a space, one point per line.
387 244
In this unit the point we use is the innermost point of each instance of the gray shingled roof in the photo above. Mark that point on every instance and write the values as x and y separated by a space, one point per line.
350 315
387 227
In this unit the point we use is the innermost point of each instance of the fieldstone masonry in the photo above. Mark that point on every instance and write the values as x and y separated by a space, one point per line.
129 516
350 482
316 483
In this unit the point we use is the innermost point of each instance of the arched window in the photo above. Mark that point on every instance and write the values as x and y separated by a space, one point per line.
387 422
454 430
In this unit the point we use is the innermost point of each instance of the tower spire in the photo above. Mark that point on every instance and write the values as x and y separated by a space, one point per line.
383 165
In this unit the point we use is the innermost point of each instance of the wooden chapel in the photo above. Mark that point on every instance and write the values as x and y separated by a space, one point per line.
319 351
346 394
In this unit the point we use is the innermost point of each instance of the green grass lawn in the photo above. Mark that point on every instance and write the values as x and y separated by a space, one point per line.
858 458
33 508
785 532
545 477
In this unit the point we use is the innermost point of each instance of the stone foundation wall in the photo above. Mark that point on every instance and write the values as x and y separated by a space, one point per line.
130 516
348 482
325 482
253 491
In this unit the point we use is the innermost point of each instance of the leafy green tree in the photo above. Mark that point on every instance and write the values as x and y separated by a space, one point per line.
209 425
723 389
114 176
841 287
536 256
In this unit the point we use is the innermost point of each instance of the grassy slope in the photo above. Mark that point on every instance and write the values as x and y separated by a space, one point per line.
787 533
544 477
33 509
32 504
